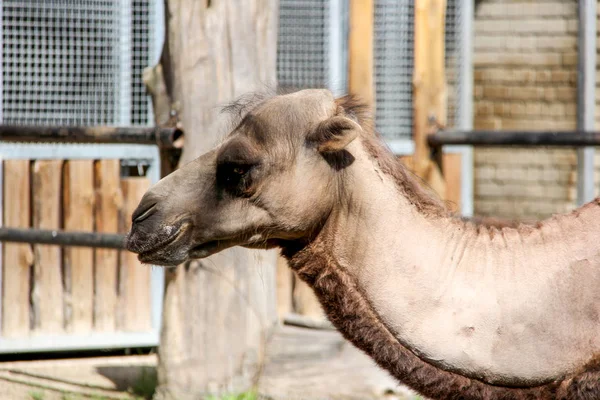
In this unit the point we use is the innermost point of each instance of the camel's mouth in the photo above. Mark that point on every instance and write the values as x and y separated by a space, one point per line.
165 251
206 249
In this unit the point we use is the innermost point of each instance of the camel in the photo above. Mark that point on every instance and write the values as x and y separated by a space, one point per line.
452 308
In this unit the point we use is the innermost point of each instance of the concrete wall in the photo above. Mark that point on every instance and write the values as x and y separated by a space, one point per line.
525 56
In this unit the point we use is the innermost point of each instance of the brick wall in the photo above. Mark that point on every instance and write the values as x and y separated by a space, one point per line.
525 56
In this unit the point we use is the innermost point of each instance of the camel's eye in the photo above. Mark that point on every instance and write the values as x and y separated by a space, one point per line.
234 178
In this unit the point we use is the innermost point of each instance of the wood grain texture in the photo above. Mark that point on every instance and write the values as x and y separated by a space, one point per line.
429 86
285 279
47 291
360 57
109 201
17 258
78 262
134 297
453 178
217 311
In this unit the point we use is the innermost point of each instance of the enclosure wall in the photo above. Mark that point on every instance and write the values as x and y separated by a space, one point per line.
525 66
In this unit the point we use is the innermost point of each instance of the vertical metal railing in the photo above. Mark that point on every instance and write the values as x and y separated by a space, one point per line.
465 117
586 97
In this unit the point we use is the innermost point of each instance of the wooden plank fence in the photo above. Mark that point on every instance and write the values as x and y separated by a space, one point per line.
54 290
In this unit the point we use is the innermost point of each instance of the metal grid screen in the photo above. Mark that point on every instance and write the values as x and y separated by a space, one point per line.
453 60
394 61
75 62
304 54
142 39
393 52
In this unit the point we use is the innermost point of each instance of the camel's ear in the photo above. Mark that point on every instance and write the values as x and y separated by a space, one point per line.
334 134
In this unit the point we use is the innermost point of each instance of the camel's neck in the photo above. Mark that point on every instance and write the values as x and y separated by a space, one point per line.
378 229
465 300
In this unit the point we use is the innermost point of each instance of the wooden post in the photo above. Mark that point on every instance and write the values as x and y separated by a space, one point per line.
134 300
47 294
452 179
17 258
430 92
218 311
360 58
285 281
109 200
78 206
305 301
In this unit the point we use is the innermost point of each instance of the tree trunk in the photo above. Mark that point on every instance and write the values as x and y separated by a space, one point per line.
217 311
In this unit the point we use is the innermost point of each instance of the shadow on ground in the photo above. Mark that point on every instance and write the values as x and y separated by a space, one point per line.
138 380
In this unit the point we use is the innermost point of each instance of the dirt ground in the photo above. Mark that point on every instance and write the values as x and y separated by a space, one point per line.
305 364
97 378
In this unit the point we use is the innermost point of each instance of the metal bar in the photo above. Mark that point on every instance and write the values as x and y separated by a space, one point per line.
465 117
62 238
165 138
515 138
586 97
157 281
93 340
335 67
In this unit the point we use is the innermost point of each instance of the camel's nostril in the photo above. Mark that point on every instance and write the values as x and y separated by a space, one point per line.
141 213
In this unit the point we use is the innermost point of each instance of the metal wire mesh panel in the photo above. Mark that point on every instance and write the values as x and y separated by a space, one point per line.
312 44
303 43
393 52
142 39
394 62
453 60
73 62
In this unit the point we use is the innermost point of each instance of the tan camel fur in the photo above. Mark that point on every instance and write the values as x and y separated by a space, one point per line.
452 308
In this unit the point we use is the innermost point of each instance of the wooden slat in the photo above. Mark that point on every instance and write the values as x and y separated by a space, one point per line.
407 161
430 89
305 300
17 258
47 294
360 57
78 206
452 176
284 288
134 276
109 201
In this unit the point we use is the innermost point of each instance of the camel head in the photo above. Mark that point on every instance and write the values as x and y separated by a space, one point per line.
274 179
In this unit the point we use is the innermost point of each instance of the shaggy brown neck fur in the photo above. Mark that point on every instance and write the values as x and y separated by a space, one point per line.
352 314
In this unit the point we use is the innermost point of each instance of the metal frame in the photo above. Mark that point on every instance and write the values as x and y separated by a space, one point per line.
574 139
337 66
57 237
586 97
102 340
465 117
